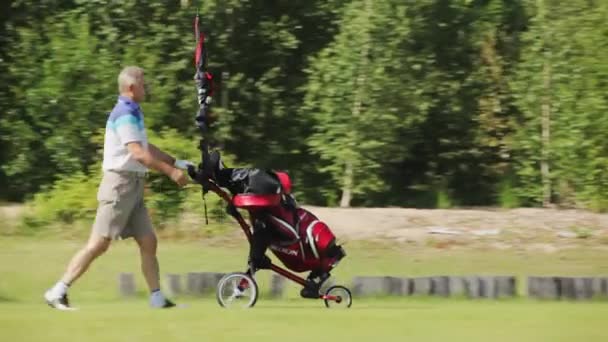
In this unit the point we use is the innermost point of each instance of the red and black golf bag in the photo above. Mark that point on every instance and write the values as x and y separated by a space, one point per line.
295 235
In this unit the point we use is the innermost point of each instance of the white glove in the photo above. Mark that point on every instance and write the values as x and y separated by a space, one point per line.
183 164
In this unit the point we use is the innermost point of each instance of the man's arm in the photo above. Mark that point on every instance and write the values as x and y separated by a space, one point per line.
163 163
157 153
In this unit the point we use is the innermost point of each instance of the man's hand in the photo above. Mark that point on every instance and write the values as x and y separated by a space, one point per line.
183 164
179 177
157 161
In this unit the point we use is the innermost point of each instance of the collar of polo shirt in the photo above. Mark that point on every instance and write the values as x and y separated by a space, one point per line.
129 102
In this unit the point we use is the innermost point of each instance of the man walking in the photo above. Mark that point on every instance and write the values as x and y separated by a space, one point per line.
121 212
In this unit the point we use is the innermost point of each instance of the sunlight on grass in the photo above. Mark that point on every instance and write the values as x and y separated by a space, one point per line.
29 266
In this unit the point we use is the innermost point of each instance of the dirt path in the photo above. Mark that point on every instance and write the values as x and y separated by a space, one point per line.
11 211
530 228
505 227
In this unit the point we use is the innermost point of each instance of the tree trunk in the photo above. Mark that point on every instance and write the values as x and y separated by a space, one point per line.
546 135
225 99
348 180
545 171
347 185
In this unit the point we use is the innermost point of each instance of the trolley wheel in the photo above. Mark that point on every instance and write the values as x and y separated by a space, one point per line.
338 296
237 290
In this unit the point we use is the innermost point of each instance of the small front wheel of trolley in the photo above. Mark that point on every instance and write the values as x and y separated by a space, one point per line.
338 296
237 290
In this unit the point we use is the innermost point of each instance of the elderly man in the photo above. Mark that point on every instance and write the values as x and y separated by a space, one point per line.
121 212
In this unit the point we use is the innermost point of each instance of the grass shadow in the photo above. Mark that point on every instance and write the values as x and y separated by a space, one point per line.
5 299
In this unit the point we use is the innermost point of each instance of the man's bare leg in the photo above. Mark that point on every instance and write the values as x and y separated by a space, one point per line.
96 246
149 262
79 264
150 269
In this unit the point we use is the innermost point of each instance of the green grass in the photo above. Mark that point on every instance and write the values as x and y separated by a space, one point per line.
28 266
300 320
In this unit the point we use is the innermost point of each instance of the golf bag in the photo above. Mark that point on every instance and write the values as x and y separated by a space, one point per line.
295 235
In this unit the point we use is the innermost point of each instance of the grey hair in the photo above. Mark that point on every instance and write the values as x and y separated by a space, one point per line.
128 76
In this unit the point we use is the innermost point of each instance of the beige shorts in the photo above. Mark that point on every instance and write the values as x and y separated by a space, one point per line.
121 212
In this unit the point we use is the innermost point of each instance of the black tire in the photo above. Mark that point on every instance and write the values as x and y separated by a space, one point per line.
227 284
346 298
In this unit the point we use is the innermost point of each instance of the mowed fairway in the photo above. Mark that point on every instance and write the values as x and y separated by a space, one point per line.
28 266
306 321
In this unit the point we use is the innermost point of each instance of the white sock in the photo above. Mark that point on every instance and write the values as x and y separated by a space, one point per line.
59 289
157 299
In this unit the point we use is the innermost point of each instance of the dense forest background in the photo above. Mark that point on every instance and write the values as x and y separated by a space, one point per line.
426 103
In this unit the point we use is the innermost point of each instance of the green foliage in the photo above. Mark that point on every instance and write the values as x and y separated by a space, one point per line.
507 196
583 233
570 39
354 91
69 200
58 115
363 102
443 200
72 199
164 198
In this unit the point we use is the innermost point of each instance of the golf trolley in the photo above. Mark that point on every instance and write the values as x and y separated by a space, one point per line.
306 244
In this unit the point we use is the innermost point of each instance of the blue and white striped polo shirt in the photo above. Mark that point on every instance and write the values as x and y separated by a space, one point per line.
125 124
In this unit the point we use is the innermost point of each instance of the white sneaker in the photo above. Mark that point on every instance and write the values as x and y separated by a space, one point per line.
158 300
59 303
237 293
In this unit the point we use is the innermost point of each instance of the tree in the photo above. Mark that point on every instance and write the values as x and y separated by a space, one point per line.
572 45
58 77
356 95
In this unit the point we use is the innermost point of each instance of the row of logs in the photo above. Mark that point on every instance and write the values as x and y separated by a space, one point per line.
578 288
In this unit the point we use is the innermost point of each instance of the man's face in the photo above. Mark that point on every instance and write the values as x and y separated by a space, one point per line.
139 90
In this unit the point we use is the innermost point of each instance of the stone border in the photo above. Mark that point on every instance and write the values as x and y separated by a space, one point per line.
567 288
441 286
473 287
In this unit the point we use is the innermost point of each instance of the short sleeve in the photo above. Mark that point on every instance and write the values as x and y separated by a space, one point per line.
129 129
